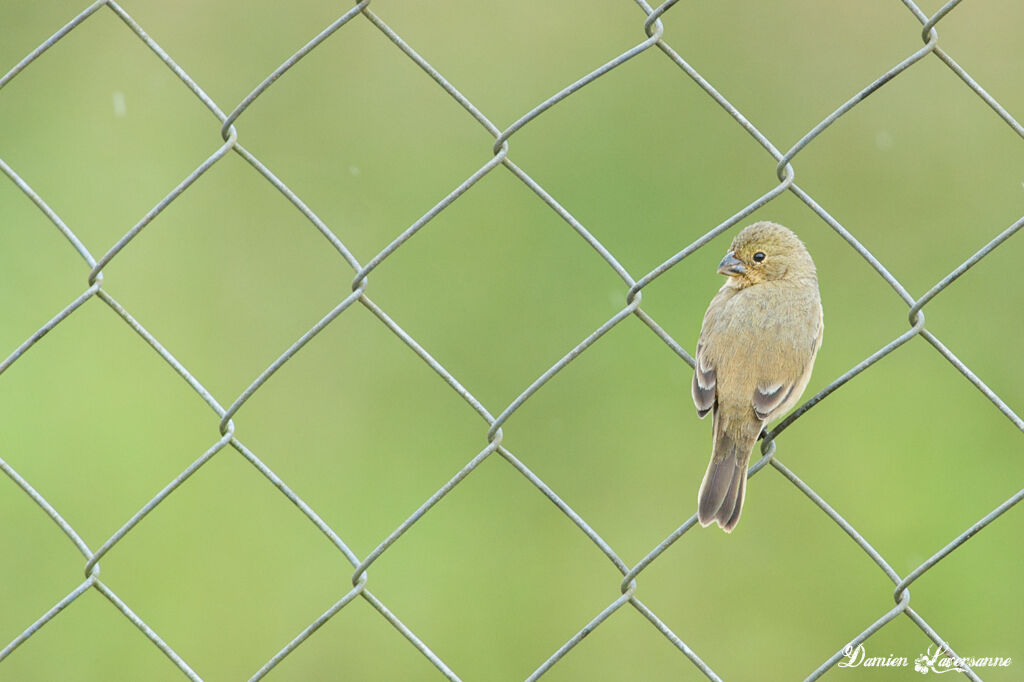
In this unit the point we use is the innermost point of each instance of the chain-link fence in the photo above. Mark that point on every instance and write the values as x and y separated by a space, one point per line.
231 126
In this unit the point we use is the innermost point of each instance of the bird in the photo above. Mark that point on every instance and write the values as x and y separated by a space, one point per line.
757 345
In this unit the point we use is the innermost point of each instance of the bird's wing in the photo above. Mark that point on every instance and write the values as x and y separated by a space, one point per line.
776 394
768 397
704 382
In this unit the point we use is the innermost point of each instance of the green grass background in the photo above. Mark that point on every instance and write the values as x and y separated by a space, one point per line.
497 288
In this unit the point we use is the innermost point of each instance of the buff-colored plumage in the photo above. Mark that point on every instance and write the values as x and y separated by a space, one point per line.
757 346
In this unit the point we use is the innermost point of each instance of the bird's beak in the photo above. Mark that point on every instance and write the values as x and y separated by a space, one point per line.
731 265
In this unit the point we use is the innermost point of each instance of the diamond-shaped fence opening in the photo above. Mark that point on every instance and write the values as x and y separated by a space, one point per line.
400 289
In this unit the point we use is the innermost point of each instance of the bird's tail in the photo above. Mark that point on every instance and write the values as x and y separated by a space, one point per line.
721 492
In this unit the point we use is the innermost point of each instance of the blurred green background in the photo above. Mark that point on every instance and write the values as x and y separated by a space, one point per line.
494 579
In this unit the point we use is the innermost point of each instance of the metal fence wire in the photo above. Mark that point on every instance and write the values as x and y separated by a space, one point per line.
495 419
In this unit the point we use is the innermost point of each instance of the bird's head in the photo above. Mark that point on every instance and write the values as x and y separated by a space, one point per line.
765 252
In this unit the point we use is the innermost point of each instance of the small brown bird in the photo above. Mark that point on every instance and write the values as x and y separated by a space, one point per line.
757 346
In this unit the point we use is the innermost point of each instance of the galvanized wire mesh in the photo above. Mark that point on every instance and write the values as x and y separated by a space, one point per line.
494 419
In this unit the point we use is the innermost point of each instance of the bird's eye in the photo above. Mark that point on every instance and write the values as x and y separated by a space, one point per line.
759 256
